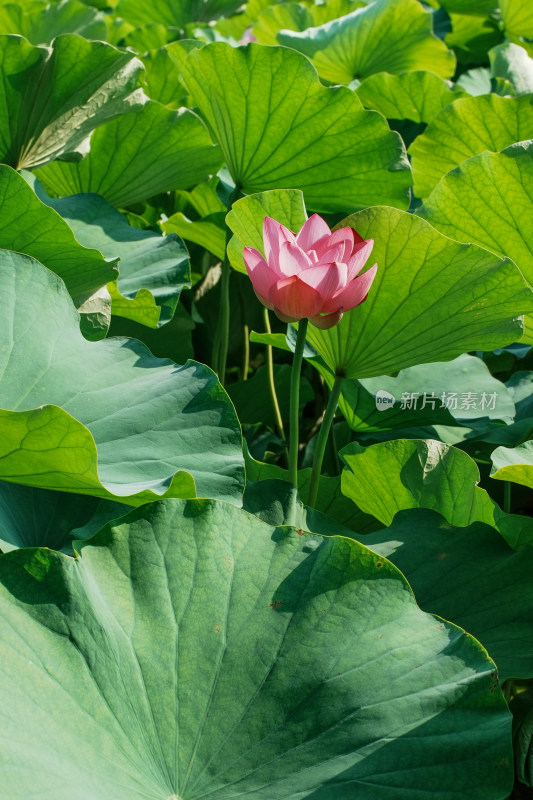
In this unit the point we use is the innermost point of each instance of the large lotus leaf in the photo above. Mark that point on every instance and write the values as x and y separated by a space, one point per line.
161 79
153 269
427 394
408 473
29 226
40 22
279 127
469 576
104 418
418 96
517 18
51 98
151 150
432 300
298 16
32 517
467 128
174 13
237 659
489 200
386 36
514 464
511 62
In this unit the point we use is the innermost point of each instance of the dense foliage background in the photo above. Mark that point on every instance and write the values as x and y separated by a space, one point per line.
175 622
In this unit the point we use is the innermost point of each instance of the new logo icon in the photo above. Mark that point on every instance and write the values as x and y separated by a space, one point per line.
384 400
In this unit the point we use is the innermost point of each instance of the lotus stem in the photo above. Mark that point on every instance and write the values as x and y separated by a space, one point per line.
271 383
323 439
507 497
246 355
222 332
295 402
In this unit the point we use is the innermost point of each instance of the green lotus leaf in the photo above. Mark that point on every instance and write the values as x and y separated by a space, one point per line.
40 22
418 96
330 499
473 7
488 200
209 232
52 98
150 150
469 576
162 80
471 37
467 128
517 18
29 226
512 62
385 36
104 418
298 16
522 707
311 138
174 13
408 473
153 269
427 394
32 517
432 300
514 464
237 659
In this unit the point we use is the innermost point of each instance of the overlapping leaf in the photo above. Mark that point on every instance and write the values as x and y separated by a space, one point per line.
150 150
467 128
40 22
153 269
417 95
432 300
385 36
277 126
51 98
104 418
469 576
249 683
489 200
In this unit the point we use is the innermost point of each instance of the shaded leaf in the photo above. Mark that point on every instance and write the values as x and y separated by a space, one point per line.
467 128
151 150
40 22
418 95
51 98
488 200
256 689
469 576
106 418
153 269
385 36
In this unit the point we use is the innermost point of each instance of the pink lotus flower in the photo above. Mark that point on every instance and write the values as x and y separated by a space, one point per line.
314 274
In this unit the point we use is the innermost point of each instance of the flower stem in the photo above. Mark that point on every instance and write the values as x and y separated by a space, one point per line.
323 438
295 402
271 384
222 332
246 354
507 497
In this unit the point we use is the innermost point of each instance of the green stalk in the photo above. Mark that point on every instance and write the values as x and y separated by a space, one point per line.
323 438
271 384
507 497
246 355
220 349
295 401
